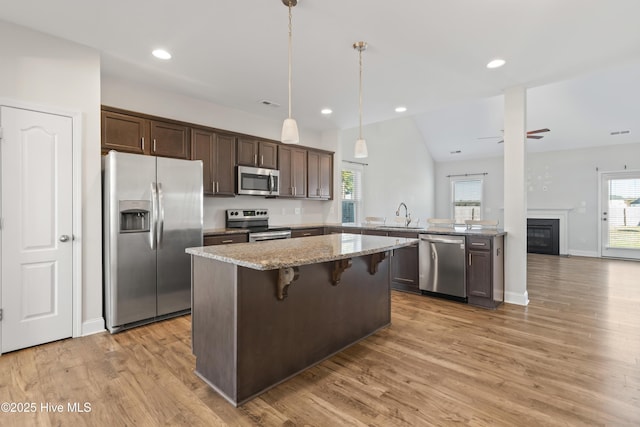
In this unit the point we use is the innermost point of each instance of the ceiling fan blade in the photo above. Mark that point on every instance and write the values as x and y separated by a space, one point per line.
535 136
501 141
538 131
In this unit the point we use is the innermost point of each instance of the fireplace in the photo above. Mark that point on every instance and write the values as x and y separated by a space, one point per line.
543 236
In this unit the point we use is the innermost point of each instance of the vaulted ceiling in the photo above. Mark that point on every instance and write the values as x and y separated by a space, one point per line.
427 55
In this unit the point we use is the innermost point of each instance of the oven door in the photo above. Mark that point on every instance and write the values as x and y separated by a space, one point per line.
269 235
258 181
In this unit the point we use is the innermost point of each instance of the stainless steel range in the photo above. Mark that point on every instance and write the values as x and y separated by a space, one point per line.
257 222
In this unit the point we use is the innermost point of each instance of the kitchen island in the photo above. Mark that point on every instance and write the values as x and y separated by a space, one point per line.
263 312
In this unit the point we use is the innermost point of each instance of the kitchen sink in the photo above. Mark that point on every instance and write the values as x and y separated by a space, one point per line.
400 227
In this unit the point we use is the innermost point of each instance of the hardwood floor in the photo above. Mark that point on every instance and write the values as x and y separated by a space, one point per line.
572 357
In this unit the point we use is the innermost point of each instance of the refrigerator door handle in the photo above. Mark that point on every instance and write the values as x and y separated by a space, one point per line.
160 214
154 216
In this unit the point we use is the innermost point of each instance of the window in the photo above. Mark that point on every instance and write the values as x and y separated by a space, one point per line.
351 194
623 219
466 197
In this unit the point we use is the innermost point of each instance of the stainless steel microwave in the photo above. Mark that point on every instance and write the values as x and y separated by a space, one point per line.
258 181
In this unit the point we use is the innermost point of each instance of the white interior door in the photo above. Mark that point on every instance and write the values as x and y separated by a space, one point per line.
36 257
620 214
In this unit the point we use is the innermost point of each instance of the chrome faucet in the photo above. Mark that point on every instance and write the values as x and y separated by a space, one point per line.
407 215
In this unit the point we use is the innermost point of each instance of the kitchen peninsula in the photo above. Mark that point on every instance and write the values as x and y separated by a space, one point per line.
263 312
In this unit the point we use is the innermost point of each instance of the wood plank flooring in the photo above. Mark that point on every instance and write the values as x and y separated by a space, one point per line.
572 357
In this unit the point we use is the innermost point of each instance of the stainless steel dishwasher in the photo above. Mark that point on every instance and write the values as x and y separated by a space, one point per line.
442 266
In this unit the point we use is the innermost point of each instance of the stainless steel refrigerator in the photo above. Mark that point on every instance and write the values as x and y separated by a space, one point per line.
152 212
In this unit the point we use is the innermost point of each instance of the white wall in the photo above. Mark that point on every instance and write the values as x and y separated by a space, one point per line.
400 169
49 72
556 180
155 101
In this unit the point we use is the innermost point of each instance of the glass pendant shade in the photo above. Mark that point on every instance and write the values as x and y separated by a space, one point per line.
290 132
361 151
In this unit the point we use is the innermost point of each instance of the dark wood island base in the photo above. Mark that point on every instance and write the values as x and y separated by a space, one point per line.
250 332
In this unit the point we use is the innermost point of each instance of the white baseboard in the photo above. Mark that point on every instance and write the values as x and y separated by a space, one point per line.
93 326
516 298
590 254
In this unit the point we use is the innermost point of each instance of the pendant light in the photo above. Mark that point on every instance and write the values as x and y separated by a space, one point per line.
290 127
360 150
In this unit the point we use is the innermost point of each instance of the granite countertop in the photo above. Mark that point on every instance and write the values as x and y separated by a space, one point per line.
275 254
219 231
464 231
458 231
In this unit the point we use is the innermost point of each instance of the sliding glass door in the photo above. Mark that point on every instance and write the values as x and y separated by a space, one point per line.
620 214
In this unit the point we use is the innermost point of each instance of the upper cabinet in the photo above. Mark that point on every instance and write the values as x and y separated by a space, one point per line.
125 133
169 140
218 154
257 153
320 175
304 172
131 133
293 171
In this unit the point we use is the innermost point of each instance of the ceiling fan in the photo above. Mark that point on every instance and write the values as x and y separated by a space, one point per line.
532 134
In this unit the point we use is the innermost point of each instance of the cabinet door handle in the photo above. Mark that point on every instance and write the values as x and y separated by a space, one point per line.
154 145
213 185
255 159
477 244
469 258
142 143
306 234
261 160
217 186
227 241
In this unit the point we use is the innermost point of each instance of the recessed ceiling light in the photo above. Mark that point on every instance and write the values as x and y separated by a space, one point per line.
401 109
496 63
161 54
326 111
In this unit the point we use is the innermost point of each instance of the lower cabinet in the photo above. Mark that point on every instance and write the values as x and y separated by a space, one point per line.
224 239
404 265
306 232
485 271
375 232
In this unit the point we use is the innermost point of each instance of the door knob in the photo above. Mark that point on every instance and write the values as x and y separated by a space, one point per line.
64 238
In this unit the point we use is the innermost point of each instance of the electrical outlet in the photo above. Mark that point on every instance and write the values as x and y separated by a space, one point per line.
297 210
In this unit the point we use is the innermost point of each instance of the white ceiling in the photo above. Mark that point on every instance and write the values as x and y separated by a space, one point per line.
427 55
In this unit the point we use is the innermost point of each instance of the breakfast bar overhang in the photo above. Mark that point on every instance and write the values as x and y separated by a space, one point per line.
263 312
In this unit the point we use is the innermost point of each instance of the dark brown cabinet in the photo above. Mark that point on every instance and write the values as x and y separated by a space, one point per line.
169 140
129 133
371 232
218 154
404 265
485 271
320 175
304 173
257 153
293 171
333 230
224 239
307 232
125 133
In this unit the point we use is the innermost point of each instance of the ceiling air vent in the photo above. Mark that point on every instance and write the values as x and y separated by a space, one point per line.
620 132
269 103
